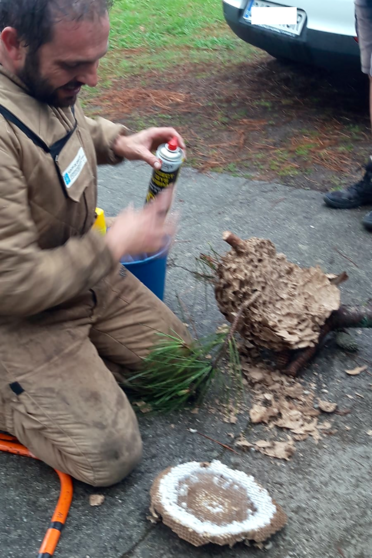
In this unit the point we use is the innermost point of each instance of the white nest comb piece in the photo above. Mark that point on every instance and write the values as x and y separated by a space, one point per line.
211 503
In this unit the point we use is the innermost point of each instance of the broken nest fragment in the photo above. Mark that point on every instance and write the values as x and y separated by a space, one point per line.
291 304
211 503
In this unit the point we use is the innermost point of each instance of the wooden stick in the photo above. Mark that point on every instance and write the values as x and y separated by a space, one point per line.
344 317
234 241
217 442
341 278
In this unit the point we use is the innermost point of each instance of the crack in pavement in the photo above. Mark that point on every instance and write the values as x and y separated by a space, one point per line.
130 552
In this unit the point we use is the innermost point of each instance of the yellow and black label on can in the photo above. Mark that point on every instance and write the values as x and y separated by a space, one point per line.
161 180
171 157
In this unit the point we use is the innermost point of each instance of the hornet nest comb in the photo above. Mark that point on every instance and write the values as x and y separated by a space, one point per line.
290 305
211 503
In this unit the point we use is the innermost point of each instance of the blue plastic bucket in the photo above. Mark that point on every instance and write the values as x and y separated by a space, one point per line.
151 271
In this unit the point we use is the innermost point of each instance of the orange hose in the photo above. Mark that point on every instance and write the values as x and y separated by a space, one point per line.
8 437
14 447
53 534
11 445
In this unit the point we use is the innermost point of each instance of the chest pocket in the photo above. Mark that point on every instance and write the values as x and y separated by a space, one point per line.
68 154
73 167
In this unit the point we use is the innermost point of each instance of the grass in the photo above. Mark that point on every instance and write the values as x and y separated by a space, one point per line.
147 35
153 25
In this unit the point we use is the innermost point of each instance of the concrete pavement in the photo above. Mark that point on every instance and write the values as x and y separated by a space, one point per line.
325 489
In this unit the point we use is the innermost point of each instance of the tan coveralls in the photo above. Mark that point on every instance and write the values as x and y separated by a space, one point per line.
68 312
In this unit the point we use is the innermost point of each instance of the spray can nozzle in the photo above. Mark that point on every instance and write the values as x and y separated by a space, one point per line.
173 144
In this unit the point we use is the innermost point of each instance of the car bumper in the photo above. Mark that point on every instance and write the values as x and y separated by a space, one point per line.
327 50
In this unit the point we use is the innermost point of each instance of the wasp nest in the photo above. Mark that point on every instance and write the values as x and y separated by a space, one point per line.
290 304
211 503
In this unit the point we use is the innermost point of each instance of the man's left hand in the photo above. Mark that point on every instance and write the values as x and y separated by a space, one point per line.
139 147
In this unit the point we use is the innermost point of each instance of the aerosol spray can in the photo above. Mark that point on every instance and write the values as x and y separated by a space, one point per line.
171 157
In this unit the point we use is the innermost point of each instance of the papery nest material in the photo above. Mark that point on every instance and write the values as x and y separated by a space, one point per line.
292 303
211 503
282 307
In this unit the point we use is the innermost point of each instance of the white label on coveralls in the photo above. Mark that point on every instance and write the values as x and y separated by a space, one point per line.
73 171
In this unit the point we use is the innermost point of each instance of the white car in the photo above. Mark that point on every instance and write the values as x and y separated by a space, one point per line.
324 34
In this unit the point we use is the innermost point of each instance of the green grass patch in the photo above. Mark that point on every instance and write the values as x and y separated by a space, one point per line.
348 148
149 24
305 149
263 103
147 35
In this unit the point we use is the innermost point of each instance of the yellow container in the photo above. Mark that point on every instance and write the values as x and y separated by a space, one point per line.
100 222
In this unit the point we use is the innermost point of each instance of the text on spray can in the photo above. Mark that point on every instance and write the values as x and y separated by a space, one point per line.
171 157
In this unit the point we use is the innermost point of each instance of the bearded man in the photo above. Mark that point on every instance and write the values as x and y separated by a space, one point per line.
70 315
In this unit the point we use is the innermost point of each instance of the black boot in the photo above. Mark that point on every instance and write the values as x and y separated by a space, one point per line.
354 196
367 221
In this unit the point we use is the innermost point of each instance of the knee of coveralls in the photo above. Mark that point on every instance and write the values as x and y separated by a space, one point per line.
115 459
97 453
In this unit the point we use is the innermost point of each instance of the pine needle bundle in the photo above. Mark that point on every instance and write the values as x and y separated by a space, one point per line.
175 373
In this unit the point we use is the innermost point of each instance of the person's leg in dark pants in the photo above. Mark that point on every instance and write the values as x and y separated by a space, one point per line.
360 193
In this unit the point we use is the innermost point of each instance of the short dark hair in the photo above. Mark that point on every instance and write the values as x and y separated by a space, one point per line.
34 19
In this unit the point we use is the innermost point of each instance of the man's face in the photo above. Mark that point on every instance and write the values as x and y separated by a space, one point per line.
57 71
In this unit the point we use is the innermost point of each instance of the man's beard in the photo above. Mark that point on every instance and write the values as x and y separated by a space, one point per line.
40 87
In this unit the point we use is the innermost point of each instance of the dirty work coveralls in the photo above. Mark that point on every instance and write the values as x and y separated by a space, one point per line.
68 312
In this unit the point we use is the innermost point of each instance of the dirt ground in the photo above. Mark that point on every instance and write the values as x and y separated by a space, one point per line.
264 119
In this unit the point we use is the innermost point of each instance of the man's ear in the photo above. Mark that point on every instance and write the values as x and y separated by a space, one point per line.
15 50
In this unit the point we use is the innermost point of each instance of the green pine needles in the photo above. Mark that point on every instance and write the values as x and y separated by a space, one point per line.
175 373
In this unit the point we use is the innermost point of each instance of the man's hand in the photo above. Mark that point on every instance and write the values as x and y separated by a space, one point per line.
144 231
139 147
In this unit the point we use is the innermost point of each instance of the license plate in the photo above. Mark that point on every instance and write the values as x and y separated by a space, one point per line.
293 30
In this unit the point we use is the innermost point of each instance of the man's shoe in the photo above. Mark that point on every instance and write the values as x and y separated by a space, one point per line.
356 195
367 221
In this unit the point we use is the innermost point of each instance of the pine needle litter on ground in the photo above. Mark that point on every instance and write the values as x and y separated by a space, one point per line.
260 119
